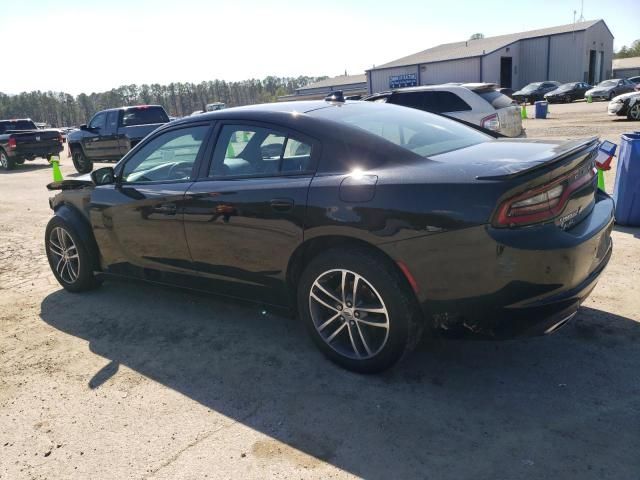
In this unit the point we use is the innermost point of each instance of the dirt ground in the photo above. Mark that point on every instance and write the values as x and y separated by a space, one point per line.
136 381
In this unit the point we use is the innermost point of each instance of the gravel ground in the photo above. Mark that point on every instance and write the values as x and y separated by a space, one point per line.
135 381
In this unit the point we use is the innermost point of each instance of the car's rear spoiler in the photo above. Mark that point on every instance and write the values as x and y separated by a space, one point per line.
518 169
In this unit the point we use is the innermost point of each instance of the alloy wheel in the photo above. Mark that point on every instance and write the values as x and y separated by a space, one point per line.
349 314
634 112
3 160
65 254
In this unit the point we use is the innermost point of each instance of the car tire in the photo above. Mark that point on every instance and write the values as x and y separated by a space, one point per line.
72 262
371 335
19 161
81 162
568 99
634 112
611 95
6 162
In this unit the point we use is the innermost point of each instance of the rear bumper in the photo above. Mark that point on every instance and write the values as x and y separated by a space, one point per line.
40 151
507 282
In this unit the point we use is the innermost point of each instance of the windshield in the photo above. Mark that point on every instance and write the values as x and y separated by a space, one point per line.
608 83
17 125
566 87
144 116
423 133
531 87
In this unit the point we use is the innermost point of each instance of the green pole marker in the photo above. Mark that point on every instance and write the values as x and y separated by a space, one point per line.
589 99
523 111
55 165
601 180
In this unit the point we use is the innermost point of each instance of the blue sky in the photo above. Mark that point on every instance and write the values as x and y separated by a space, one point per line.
85 46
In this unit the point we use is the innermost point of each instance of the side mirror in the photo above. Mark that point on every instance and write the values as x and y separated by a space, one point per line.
103 176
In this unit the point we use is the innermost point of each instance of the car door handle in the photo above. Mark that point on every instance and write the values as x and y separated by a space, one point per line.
282 204
166 209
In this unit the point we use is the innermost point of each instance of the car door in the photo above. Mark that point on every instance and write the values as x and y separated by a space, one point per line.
108 143
138 221
91 139
245 217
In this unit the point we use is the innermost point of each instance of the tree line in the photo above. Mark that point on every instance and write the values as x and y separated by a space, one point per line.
179 99
626 52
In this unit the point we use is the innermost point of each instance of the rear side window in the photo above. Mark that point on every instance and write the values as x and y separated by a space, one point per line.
431 101
17 125
144 116
420 132
257 152
496 99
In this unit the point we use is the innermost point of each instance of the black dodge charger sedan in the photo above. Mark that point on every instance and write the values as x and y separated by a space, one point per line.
376 222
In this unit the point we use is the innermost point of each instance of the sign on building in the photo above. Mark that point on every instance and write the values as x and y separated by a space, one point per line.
406 80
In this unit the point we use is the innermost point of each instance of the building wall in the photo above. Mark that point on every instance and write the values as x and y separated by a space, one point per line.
463 70
565 57
533 60
380 78
330 88
491 65
600 39
626 72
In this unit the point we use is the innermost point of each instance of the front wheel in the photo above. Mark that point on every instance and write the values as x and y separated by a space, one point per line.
358 310
6 162
634 112
611 95
71 261
81 162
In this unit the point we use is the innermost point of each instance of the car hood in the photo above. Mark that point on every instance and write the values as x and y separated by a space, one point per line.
557 91
598 89
522 92
624 96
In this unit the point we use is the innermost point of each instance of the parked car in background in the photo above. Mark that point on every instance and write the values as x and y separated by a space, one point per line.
636 82
506 91
534 91
567 92
21 139
375 222
112 133
608 89
214 107
477 103
627 104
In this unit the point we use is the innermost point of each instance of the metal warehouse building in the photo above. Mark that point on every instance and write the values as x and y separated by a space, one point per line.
575 52
626 67
348 84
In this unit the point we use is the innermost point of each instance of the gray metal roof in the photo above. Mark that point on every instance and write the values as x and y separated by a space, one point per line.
631 62
337 81
483 46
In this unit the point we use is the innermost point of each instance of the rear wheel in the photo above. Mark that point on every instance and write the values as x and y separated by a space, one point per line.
611 95
70 260
6 162
19 161
358 310
81 162
634 112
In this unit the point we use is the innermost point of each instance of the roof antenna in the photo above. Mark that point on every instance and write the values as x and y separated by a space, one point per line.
581 19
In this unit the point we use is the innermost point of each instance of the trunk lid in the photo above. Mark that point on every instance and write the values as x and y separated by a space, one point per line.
35 138
510 121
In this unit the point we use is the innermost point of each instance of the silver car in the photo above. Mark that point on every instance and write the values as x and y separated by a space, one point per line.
609 89
477 103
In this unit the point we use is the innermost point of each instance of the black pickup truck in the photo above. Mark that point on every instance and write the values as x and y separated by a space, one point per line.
112 133
21 140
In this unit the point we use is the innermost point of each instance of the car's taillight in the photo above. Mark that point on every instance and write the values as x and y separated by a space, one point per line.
542 203
11 143
492 122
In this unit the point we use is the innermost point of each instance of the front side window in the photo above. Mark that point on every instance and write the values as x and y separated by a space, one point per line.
98 121
257 151
168 157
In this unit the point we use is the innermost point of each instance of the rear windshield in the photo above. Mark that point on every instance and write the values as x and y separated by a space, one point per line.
495 98
144 116
17 125
423 133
